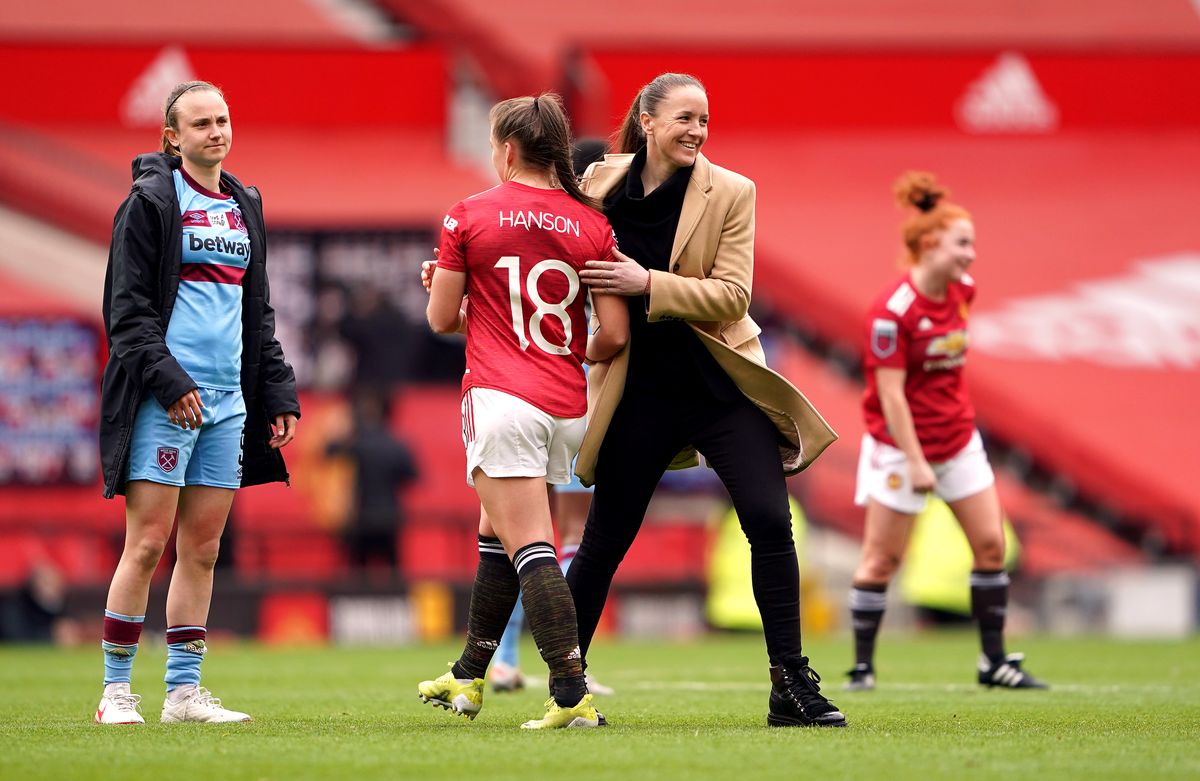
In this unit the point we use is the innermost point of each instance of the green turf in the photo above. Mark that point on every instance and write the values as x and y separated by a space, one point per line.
682 711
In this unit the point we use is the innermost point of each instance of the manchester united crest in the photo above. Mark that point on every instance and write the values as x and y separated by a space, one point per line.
168 458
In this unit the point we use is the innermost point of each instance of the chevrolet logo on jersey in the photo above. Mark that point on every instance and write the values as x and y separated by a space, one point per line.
953 343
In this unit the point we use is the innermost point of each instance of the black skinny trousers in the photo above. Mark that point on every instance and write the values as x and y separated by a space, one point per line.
739 442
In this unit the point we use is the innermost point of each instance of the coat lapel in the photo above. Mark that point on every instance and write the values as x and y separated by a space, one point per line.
610 174
695 201
604 177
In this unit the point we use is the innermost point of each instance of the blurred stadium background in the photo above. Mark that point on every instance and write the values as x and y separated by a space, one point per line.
1071 130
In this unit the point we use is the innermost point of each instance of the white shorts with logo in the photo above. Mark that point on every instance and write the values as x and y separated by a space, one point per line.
506 436
883 475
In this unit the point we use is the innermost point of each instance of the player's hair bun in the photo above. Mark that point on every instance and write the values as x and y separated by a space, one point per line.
919 189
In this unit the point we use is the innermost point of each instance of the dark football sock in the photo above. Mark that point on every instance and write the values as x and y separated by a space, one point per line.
551 615
493 597
989 602
867 604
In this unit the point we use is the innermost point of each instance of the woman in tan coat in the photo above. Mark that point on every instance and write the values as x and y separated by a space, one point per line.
693 377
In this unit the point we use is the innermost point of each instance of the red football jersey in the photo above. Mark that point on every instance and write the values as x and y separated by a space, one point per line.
928 339
522 248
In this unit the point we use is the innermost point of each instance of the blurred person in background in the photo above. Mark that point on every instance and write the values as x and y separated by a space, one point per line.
571 503
694 377
383 464
34 612
379 336
515 252
197 398
921 436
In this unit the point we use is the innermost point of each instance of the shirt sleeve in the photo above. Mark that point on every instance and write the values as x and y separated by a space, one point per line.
452 248
608 241
887 341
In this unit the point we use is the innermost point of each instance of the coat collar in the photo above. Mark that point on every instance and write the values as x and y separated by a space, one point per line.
695 201
603 177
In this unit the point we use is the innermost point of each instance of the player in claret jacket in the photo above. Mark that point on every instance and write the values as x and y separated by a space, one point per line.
921 436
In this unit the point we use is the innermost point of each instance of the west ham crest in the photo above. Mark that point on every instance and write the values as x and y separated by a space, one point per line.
236 222
168 458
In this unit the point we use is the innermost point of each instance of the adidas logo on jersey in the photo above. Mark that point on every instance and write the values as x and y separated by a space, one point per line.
1007 98
924 324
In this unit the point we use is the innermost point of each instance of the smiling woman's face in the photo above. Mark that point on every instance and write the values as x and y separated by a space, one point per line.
951 251
676 132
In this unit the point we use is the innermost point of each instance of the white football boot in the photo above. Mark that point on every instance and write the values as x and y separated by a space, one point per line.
199 705
119 707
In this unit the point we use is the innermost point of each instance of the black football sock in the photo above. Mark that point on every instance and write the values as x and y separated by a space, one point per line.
989 602
867 604
550 612
493 597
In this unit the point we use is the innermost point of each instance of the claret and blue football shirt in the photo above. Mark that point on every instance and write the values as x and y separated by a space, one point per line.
205 332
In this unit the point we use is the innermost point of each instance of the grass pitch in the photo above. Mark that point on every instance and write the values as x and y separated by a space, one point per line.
681 712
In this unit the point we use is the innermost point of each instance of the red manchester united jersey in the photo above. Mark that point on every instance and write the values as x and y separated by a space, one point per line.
928 339
522 248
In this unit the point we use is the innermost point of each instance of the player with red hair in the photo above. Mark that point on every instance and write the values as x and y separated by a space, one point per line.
921 436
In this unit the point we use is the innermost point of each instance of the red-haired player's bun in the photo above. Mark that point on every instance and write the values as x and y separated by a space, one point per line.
920 190
934 211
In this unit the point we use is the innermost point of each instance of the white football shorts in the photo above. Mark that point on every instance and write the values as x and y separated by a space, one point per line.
883 475
506 436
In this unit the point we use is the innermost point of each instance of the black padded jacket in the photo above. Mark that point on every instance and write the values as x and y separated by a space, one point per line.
139 293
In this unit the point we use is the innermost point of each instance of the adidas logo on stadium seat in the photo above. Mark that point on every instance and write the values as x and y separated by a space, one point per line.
142 105
1007 98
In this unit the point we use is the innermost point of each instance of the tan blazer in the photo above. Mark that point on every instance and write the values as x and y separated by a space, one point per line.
712 266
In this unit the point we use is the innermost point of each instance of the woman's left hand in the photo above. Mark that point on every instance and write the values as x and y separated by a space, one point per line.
624 277
285 430
427 269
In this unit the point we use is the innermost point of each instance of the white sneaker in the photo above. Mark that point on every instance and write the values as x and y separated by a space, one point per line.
119 708
202 706
595 687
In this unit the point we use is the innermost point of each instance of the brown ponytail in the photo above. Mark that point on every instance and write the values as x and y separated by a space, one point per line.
538 126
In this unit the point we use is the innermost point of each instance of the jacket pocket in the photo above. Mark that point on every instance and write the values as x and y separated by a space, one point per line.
739 332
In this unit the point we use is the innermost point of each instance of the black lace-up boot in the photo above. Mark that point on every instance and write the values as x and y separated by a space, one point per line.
796 699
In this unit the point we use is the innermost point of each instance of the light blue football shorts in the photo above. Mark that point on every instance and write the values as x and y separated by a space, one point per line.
162 452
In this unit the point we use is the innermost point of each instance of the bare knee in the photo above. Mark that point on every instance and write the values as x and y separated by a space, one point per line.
989 553
877 568
145 552
201 555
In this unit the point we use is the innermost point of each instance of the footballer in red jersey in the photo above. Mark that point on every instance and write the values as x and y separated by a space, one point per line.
508 274
921 435
928 340
521 248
